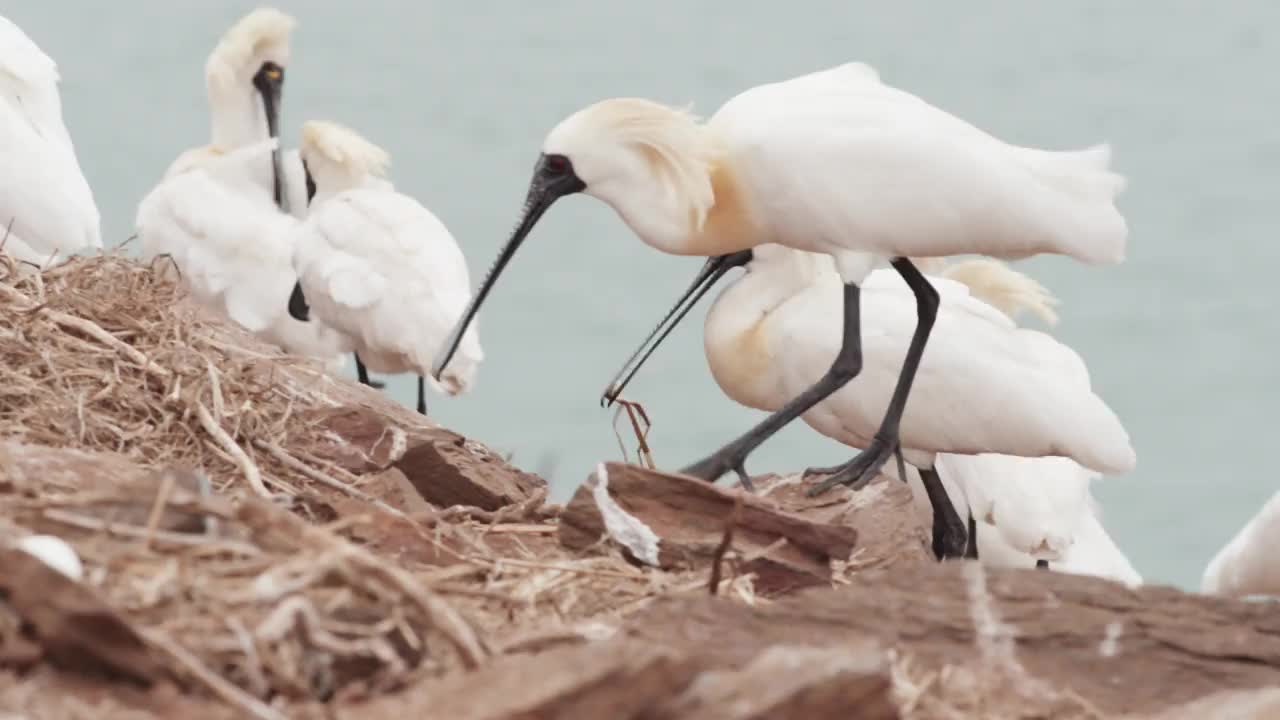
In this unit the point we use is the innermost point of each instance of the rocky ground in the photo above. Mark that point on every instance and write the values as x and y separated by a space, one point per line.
261 540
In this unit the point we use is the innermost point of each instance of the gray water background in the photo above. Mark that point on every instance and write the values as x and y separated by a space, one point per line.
1180 339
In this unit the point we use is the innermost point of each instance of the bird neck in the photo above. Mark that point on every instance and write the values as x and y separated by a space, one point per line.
237 116
332 178
736 334
662 215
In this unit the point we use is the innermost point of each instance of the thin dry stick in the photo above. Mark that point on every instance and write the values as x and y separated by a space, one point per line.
247 466
216 684
555 566
7 229
622 446
726 541
643 453
642 436
533 506
161 536
438 612
293 463
91 329
215 390
157 508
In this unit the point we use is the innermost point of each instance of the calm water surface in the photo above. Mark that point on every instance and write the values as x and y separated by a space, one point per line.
1180 340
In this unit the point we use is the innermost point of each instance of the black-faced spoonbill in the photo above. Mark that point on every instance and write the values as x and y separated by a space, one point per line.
366 255
1029 512
46 207
986 386
244 82
231 249
834 162
218 213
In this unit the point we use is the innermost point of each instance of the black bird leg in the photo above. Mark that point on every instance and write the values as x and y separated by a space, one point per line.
362 374
859 471
971 552
949 535
422 396
847 365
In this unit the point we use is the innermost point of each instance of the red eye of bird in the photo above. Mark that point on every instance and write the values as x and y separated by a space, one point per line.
557 164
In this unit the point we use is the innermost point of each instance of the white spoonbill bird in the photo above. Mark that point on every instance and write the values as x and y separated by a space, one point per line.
986 386
46 207
231 248
244 82
377 265
834 162
213 212
1026 512
1045 510
1247 565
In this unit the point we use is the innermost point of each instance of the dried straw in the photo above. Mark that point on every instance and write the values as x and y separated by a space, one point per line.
105 354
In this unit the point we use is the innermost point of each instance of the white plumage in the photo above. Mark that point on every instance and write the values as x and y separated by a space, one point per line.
378 266
1247 564
237 112
988 387
837 162
43 192
1026 508
213 213
232 250
984 385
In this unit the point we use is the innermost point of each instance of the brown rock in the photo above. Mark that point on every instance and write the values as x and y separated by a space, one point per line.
75 628
688 518
793 682
622 679
447 469
46 692
890 532
1261 704
356 438
1122 650
128 491
597 680
441 467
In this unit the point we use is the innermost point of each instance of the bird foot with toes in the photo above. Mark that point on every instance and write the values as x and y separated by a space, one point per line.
823 471
724 461
857 472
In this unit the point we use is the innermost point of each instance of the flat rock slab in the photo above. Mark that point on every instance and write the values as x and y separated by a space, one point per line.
622 679
128 490
70 625
675 521
1122 650
443 467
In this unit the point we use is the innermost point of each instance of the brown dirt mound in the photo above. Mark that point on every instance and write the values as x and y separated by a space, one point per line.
131 417
260 539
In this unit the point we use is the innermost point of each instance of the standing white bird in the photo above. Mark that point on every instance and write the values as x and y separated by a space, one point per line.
987 386
46 207
1045 510
232 250
1026 512
377 265
218 214
244 82
1247 564
833 162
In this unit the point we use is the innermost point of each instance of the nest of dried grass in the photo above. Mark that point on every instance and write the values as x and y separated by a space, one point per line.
270 594
101 353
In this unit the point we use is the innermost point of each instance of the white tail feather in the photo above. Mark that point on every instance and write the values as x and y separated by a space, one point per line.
1000 286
